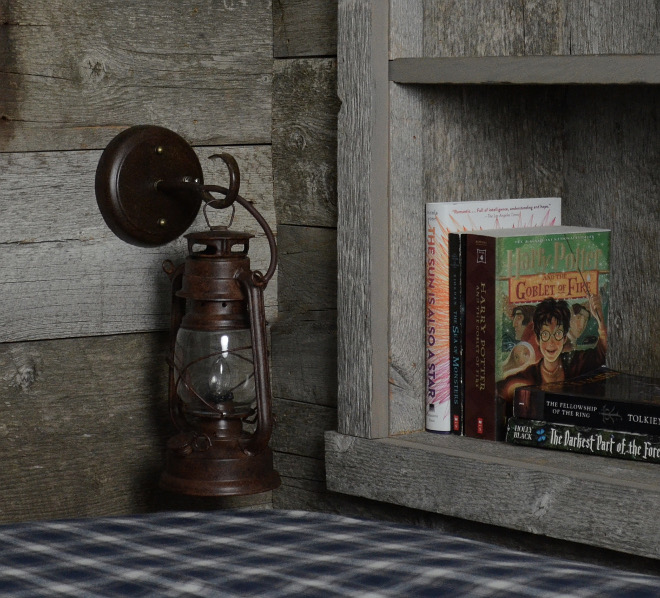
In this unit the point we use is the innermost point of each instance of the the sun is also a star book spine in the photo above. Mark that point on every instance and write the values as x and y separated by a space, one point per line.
443 413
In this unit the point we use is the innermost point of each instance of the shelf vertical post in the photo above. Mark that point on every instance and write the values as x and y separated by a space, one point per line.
363 218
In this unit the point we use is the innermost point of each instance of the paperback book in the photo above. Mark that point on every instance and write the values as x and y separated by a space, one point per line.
584 440
603 398
443 413
536 305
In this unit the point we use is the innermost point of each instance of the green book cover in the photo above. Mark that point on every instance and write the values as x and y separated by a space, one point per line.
536 302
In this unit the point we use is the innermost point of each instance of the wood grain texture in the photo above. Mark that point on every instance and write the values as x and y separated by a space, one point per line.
304 28
591 500
363 271
305 107
611 180
532 27
609 26
65 274
308 267
84 422
201 68
406 29
304 357
479 28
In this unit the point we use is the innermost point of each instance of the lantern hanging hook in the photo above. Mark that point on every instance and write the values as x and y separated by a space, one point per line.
234 184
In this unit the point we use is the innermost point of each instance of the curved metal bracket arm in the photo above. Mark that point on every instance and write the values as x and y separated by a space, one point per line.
259 279
258 441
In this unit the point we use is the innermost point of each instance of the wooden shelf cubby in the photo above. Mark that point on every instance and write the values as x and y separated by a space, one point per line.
460 107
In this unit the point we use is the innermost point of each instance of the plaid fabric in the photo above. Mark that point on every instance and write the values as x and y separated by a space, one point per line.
281 554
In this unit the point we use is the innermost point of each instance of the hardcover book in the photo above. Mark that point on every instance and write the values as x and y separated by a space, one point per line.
603 398
536 304
442 413
584 440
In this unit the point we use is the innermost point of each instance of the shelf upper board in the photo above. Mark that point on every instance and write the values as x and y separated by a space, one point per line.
529 70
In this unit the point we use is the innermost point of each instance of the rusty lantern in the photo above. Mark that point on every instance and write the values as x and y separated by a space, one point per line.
149 188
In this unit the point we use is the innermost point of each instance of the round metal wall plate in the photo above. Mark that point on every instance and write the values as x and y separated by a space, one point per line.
126 176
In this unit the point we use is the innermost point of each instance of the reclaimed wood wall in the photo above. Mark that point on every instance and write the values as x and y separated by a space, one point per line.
83 415
305 108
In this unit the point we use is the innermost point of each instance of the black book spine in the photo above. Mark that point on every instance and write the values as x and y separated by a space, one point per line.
456 326
585 440
576 410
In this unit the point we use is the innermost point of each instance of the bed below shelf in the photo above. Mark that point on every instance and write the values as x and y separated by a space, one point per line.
270 553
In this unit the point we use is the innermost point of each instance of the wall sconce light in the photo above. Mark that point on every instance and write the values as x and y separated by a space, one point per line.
149 188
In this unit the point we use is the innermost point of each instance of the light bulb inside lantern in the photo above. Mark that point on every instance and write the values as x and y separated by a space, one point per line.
221 376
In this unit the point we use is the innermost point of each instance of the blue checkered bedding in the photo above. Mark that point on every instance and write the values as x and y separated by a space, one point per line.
283 554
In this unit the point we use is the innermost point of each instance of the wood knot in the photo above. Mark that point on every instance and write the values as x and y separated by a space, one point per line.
25 377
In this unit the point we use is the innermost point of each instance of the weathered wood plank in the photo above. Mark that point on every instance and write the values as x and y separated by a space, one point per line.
201 68
608 27
558 495
482 28
299 427
64 273
308 265
406 29
304 357
362 171
513 28
305 107
83 426
304 28
611 181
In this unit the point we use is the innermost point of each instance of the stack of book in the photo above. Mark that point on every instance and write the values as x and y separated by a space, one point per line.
443 407
605 412
526 306
516 337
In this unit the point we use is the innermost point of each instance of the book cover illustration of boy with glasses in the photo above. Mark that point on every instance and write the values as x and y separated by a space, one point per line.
536 306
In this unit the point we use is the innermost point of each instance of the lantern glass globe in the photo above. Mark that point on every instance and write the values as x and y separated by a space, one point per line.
214 370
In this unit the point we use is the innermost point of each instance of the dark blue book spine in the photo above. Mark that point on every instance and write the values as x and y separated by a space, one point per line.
456 320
